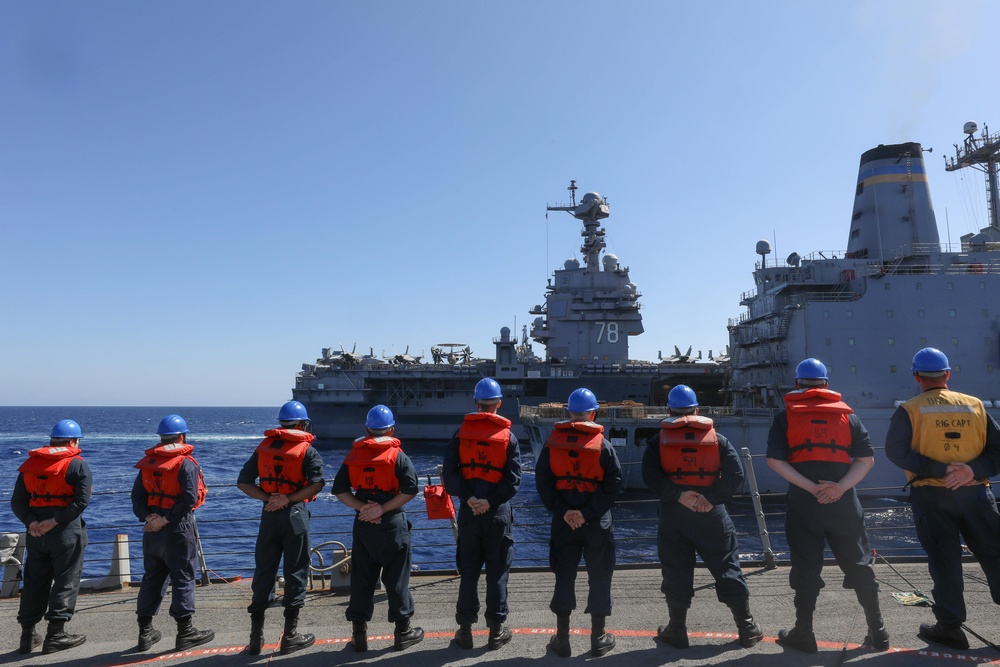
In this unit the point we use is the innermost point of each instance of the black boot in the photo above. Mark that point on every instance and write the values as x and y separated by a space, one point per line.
949 635
601 641
801 637
463 636
499 635
292 640
189 636
57 639
148 635
359 636
30 639
406 635
675 631
750 632
560 640
256 644
877 637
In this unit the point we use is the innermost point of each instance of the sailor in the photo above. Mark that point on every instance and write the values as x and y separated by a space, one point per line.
51 491
482 467
821 448
694 470
285 472
167 490
578 477
383 479
949 447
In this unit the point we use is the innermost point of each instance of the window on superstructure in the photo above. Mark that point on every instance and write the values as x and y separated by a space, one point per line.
951 312
850 314
957 368
888 314
850 341
892 368
826 313
949 285
892 341
854 369
861 188
923 341
954 341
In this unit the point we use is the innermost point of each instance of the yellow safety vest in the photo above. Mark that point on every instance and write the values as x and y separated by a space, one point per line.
948 427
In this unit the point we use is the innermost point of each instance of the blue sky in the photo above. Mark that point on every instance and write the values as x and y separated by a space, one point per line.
197 197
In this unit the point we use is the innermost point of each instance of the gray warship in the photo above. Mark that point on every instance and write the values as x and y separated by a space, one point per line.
864 312
590 311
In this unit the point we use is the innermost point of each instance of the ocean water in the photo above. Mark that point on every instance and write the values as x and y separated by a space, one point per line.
115 438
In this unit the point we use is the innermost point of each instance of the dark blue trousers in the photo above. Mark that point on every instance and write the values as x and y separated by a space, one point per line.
381 549
682 534
283 534
487 539
52 572
597 547
169 555
945 517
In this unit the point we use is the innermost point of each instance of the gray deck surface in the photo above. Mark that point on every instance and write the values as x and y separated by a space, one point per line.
108 620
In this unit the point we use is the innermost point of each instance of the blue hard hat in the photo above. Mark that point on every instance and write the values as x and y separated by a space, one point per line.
293 411
682 396
66 428
582 400
811 369
930 360
487 389
172 425
380 417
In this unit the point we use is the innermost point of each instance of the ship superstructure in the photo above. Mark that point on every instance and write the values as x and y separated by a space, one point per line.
590 311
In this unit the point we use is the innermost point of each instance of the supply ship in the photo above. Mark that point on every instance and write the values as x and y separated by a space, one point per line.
591 310
863 312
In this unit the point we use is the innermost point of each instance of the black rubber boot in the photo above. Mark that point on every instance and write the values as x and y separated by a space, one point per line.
499 635
601 641
57 639
949 635
750 633
189 636
256 644
148 635
406 635
877 637
675 631
292 640
359 636
560 640
463 636
30 640
801 637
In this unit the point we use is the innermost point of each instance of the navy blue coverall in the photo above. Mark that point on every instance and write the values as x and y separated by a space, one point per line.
283 533
682 533
946 516
484 539
171 552
381 548
810 525
54 563
594 541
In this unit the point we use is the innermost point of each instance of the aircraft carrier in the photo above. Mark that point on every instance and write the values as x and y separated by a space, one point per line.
864 312
591 310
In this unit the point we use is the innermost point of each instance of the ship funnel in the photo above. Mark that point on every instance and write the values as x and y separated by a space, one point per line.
893 216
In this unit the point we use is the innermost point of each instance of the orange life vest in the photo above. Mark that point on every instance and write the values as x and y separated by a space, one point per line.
439 505
371 464
279 460
819 426
575 455
689 450
482 446
44 474
161 469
